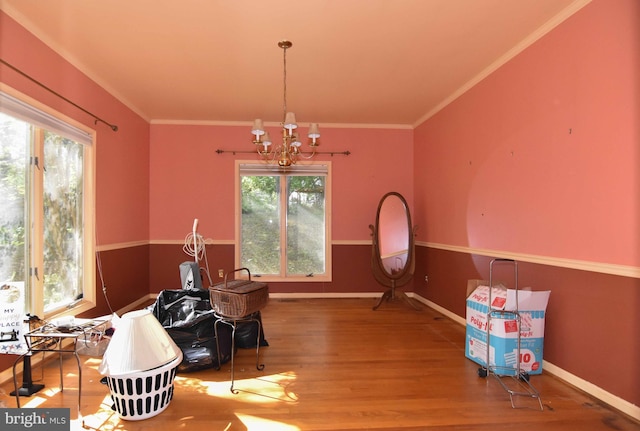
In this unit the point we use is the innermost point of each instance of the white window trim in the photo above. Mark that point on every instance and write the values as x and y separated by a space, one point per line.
327 276
49 118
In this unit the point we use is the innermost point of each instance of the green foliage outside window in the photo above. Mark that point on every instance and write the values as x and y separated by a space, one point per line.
59 174
302 228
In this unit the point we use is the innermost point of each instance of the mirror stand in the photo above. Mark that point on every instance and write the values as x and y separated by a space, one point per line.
393 248
391 294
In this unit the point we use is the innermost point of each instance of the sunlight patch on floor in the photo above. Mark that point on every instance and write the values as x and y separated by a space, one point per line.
35 401
254 423
92 362
104 418
260 390
269 389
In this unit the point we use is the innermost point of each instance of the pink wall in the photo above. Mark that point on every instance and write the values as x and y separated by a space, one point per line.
542 156
190 180
122 168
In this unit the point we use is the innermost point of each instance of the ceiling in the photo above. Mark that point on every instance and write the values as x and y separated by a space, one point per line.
359 62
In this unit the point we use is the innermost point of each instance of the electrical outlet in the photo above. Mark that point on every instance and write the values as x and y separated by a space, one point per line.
221 273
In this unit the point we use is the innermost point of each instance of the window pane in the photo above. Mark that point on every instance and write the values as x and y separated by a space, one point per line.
15 138
305 225
260 236
63 221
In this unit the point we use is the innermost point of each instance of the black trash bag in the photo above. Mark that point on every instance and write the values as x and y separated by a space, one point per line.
247 333
187 316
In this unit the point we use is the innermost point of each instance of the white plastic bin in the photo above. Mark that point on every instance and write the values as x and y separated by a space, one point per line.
142 395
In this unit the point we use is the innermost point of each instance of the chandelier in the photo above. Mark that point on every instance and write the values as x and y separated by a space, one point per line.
287 152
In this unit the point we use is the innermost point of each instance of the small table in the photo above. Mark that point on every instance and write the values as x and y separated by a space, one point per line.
58 339
233 322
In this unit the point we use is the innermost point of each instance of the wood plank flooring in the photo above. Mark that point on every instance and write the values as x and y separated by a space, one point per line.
335 364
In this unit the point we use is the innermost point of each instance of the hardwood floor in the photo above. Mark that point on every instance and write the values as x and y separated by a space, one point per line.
334 364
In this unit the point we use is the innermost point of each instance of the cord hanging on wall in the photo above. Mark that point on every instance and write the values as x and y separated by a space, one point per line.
196 246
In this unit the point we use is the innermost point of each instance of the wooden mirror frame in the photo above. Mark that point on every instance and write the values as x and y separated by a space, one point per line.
399 278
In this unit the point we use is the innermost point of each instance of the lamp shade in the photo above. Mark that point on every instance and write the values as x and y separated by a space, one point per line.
314 130
139 343
266 139
290 121
258 127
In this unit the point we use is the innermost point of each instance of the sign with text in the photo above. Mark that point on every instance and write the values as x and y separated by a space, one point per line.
12 325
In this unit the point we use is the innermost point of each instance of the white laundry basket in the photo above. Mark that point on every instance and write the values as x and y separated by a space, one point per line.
140 364
144 394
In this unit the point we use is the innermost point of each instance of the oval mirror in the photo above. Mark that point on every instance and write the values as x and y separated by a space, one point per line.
392 259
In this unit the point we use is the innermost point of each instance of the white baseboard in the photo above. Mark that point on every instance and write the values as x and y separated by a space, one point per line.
614 401
324 295
442 310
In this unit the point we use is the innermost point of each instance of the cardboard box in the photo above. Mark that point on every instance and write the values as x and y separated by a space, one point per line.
504 329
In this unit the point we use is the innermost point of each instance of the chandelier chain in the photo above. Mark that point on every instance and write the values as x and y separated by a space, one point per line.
284 61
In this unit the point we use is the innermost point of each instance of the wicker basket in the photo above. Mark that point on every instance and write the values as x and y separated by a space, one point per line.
238 298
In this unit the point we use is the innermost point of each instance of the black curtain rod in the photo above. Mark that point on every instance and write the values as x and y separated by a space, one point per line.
234 152
96 118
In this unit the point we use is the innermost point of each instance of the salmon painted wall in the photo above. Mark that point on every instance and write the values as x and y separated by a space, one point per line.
190 180
542 156
122 157
540 161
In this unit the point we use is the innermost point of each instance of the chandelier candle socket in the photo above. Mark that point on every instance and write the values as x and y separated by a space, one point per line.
288 152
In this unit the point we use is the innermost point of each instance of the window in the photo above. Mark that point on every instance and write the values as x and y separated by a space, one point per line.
46 222
284 226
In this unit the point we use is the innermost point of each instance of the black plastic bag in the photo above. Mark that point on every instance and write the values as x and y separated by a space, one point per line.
187 316
247 333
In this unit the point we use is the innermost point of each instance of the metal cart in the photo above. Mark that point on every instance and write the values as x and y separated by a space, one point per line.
512 378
